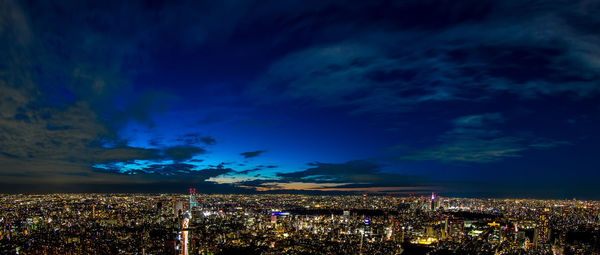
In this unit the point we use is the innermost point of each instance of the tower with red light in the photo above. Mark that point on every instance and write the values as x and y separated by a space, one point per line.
193 201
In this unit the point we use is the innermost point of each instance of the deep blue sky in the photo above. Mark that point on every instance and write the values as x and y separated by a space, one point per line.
466 98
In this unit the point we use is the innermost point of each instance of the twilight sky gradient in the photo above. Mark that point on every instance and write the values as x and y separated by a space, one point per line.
465 98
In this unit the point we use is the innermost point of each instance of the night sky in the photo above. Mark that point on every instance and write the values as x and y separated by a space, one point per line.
463 98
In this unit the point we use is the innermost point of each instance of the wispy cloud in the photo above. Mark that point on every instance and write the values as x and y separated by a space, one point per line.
548 143
479 120
252 154
478 138
351 176
529 54
194 138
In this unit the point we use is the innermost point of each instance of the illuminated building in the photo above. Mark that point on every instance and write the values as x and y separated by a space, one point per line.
542 231
365 231
446 231
241 223
184 233
493 224
425 240
193 201
432 201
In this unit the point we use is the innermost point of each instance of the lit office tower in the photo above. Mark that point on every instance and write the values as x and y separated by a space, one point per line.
366 231
542 231
184 233
193 201
433 201
446 232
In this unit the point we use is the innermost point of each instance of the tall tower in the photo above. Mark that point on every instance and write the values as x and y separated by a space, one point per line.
402 239
446 232
193 201
432 201
185 233
366 231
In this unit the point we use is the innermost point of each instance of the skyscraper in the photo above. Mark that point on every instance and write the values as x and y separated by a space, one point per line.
432 201
542 231
193 201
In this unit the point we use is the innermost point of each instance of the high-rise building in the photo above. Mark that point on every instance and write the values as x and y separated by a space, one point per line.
542 231
446 232
193 201
185 232
178 207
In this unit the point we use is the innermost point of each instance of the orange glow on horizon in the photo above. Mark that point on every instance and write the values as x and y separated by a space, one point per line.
309 186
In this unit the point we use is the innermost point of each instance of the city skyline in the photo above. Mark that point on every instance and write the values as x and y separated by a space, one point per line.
464 99
294 224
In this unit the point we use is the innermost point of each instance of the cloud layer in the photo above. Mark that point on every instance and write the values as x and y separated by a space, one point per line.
252 154
527 49
478 138
146 94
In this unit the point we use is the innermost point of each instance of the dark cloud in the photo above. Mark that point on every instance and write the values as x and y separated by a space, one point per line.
334 172
220 165
545 143
183 152
503 49
249 170
479 120
61 109
267 166
257 183
70 86
168 169
195 138
124 153
367 173
252 154
352 176
208 140
478 138
253 183
62 142
56 134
